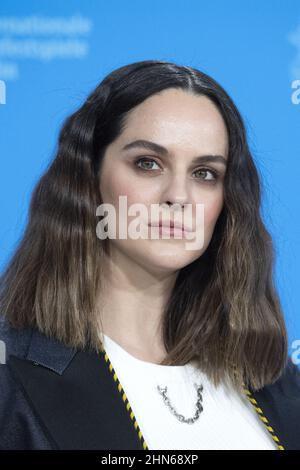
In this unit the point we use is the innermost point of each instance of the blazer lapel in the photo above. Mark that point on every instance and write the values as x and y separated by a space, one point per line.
77 399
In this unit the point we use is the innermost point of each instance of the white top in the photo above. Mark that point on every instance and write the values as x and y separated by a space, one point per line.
228 420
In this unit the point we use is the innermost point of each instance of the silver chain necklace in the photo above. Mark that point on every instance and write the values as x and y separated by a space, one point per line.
199 407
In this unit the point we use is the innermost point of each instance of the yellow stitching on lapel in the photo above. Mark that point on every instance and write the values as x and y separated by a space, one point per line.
125 399
260 412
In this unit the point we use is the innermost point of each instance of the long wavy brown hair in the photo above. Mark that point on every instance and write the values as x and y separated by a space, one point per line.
224 311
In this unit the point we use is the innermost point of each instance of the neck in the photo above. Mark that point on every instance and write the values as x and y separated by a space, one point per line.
131 304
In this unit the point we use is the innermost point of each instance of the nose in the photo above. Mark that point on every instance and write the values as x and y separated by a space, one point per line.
176 192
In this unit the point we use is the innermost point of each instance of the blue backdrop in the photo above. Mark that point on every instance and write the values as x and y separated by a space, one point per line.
53 53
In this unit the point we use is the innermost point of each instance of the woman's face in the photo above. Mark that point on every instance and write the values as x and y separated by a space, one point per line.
187 126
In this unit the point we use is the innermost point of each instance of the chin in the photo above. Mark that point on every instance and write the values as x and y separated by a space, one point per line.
168 259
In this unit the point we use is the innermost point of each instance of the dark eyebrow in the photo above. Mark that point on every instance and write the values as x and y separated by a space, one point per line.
148 145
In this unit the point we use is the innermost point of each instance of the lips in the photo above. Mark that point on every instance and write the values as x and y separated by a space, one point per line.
171 224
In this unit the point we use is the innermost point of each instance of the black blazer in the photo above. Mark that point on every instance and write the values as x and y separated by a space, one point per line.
56 397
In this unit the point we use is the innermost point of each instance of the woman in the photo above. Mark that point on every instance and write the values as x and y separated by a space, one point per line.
141 342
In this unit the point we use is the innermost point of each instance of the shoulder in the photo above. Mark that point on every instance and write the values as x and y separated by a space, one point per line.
278 405
13 341
286 387
35 346
22 346
288 384
20 427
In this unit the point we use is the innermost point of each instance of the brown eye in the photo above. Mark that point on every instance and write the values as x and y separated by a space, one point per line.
148 162
206 170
